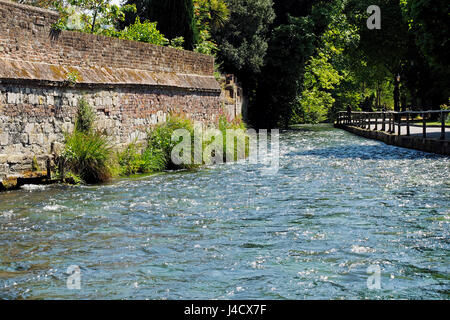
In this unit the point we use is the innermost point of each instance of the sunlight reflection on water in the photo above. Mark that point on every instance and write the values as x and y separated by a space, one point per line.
338 204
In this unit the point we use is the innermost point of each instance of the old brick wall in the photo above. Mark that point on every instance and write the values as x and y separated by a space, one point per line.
26 35
131 85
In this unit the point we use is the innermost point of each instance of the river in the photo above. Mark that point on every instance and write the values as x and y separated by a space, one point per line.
339 206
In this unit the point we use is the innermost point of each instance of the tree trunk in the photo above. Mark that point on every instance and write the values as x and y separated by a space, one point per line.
93 21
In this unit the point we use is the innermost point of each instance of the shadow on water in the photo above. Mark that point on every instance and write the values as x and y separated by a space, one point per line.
310 127
368 152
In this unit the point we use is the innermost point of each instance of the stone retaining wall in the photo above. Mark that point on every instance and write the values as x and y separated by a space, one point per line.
427 145
131 85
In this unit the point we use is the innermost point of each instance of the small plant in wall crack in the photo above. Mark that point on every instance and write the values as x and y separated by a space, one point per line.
72 77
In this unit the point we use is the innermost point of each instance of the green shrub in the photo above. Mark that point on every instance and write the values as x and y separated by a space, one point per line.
141 31
160 140
88 153
156 157
206 45
89 156
177 43
130 160
154 160
73 178
85 117
133 160
72 77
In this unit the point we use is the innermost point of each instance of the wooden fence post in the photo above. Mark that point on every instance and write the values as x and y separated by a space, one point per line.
389 120
376 121
407 125
442 126
424 125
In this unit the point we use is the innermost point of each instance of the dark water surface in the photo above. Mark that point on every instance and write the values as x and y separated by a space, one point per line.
338 205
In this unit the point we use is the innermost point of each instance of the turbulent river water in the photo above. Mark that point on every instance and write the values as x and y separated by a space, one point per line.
340 208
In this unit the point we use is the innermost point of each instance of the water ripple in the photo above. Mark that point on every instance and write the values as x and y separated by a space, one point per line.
338 204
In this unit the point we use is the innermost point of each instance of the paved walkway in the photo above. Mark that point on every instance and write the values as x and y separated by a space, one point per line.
416 131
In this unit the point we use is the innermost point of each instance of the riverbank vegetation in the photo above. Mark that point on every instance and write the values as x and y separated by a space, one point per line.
88 153
298 60
90 157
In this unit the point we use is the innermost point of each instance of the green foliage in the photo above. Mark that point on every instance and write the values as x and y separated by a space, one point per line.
96 14
142 31
243 39
316 100
89 155
205 45
211 14
34 165
85 117
429 21
135 159
177 43
243 43
411 43
319 73
73 178
290 47
72 77
160 140
175 18
157 155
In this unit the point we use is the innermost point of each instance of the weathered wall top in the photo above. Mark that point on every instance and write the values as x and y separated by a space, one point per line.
31 50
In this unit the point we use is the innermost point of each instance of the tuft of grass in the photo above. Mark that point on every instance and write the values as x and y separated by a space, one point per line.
88 153
89 156
34 165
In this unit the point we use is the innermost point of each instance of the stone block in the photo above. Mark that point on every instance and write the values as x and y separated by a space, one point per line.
4 139
3 158
15 158
12 98
29 128
33 99
50 100
37 139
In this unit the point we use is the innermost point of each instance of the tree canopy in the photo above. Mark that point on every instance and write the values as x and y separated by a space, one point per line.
175 18
297 60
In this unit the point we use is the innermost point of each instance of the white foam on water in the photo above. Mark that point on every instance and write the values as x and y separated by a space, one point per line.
7 214
361 249
54 207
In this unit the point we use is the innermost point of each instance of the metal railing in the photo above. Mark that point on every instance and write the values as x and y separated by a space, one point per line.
389 119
